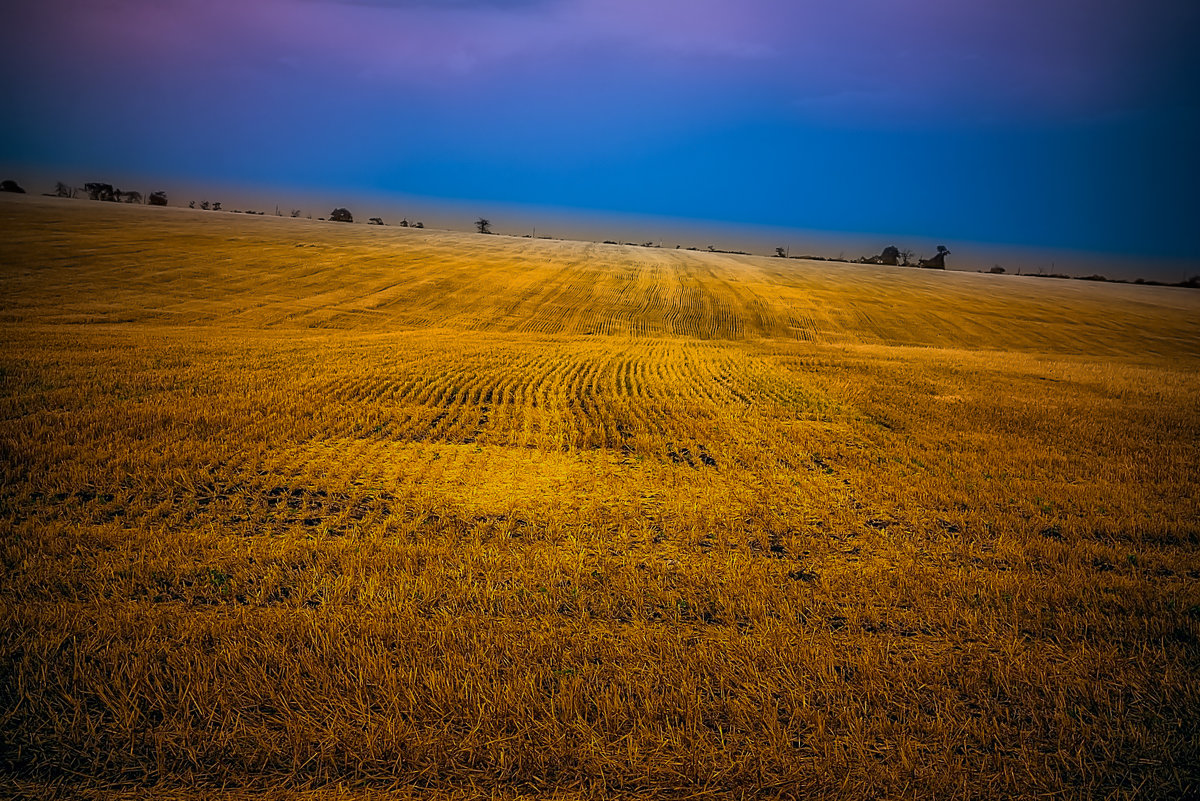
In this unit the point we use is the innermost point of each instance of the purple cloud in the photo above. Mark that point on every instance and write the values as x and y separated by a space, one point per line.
879 55
617 101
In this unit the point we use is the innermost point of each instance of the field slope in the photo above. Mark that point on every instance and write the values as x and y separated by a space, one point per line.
351 509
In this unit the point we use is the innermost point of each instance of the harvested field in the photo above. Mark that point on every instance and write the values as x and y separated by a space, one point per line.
353 510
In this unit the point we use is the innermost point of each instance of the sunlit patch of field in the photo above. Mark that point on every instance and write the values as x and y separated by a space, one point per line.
348 509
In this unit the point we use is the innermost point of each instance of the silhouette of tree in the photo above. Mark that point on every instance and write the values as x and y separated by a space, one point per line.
191 204
375 221
157 199
216 206
204 205
996 270
295 212
905 255
129 197
418 224
98 191
62 190
8 185
938 262
484 225
781 253
341 215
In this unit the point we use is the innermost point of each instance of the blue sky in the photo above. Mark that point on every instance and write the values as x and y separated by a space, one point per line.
1052 124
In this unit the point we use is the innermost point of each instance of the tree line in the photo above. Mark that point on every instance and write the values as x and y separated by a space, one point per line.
108 193
891 256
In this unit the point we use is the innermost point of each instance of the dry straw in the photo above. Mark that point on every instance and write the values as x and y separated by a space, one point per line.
293 508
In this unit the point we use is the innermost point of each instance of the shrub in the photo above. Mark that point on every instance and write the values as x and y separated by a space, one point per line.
98 191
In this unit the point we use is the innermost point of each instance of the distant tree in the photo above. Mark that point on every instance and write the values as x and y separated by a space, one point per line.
404 223
295 212
996 270
62 190
9 185
890 256
418 224
905 255
191 204
98 191
204 205
341 215
129 197
483 225
938 262
375 221
216 206
157 199
781 253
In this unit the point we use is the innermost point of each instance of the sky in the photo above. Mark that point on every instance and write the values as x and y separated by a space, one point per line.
1066 125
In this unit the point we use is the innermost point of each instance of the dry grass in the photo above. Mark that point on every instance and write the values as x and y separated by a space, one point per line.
292 506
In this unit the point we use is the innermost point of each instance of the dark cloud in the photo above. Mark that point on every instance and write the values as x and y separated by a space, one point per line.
1069 122
446 4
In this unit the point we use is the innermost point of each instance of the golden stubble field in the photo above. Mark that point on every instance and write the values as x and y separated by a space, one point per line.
349 511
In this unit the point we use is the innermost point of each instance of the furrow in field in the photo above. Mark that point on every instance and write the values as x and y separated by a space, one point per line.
604 391
559 296
563 410
702 376
645 417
